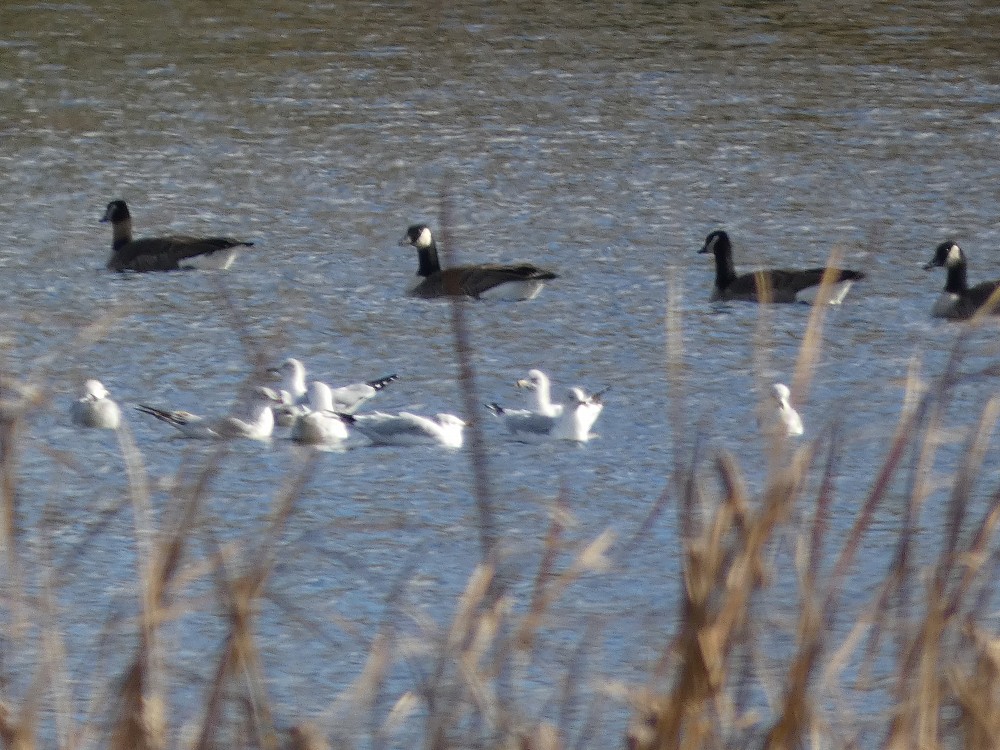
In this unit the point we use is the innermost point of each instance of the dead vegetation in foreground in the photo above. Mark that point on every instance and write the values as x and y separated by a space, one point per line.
922 650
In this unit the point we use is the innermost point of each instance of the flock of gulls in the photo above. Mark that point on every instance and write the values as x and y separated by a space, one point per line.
317 414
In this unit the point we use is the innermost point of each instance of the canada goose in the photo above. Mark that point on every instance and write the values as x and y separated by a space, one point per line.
256 424
958 301
776 284
169 253
345 399
522 281
408 429
321 425
781 417
95 408
573 423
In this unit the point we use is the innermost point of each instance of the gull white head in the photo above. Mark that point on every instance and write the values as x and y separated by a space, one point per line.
293 377
94 390
538 381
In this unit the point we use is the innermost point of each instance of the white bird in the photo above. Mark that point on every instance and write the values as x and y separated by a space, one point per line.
295 392
538 381
95 408
255 421
408 429
320 425
579 415
782 417
524 424
572 424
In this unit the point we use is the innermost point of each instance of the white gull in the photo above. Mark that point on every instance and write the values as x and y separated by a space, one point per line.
405 428
780 417
254 420
345 399
95 408
574 423
320 425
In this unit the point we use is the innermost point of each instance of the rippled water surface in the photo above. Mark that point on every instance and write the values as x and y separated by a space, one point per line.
603 141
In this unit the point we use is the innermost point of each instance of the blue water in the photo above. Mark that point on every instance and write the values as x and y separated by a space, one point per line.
602 144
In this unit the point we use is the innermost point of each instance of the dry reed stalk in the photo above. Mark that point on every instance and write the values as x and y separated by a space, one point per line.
796 716
239 657
724 566
141 721
471 403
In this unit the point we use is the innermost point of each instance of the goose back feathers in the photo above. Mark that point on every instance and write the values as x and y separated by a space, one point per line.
771 285
520 281
168 253
959 301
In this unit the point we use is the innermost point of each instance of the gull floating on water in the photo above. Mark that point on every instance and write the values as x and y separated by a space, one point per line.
255 423
574 423
781 417
345 399
95 408
320 425
408 429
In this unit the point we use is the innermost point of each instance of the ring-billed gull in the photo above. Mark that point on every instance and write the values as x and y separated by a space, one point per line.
95 408
255 421
169 253
574 423
345 399
320 425
405 428
519 281
780 417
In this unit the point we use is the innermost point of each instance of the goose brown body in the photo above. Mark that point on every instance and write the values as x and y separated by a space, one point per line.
167 253
515 281
770 285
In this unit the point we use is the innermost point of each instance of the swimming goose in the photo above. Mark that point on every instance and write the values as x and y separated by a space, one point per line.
522 281
345 399
321 425
958 301
782 285
168 253
781 417
538 382
95 408
408 429
256 424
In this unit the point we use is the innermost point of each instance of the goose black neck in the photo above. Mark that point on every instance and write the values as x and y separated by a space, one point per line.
121 233
957 282
429 263
725 269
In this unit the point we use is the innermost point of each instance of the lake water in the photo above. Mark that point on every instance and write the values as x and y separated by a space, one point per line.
601 140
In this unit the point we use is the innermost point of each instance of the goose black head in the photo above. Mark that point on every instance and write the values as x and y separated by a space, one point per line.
947 254
419 236
717 241
116 211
